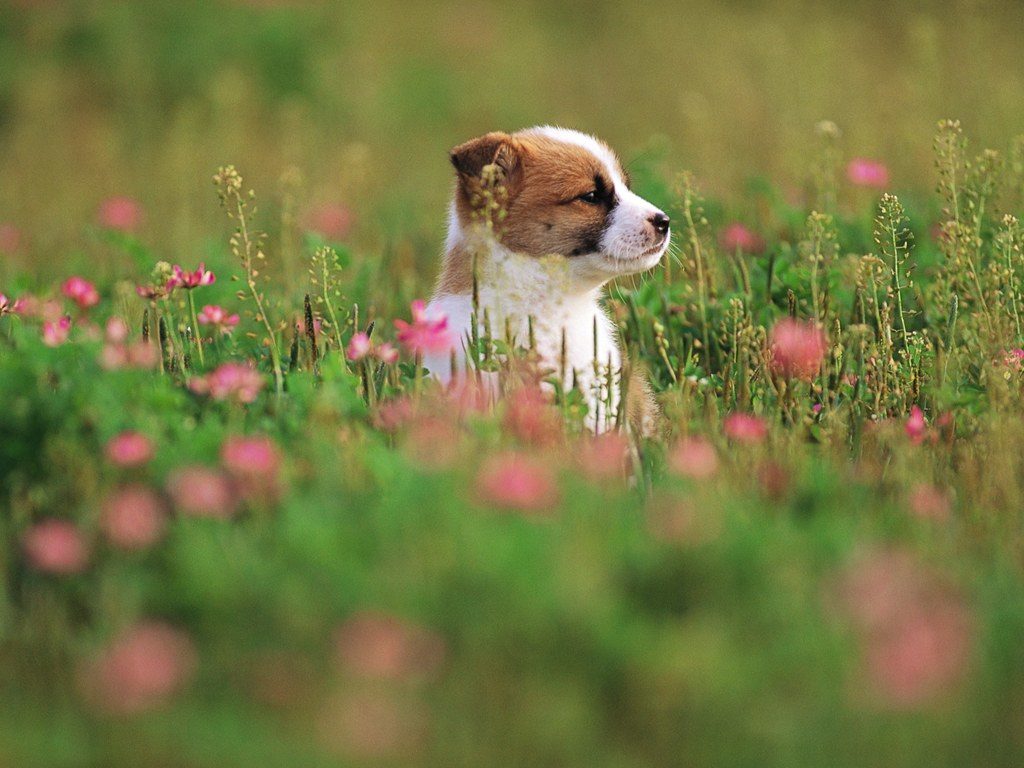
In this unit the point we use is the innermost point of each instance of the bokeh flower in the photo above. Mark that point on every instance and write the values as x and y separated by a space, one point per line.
141 669
917 632
745 428
10 238
230 381
518 483
56 547
123 214
255 464
6 306
737 237
380 646
332 220
56 332
133 518
129 449
424 334
202 492
531 417
797 348
929 502
916 426
694 457
80 291
604 456
867 173
218 317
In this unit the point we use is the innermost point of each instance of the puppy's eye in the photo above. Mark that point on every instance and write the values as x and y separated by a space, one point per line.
592 197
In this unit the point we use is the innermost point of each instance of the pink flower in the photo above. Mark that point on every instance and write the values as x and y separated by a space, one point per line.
154 292
116 331
424 334
6 307
359 346
745 428
386 353
1014 358
129 449
56 332
57 547
230 381
695 458
916 426
798 348
604 457
189 280
133 518
141 355
519 483
929 503
917 633
737 237
218 317
332 220
254 463
531 417
202 492
120 213
378 646
140 669
10 238
81 291
867 173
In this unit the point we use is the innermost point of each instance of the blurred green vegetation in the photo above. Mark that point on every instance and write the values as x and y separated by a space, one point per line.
364 99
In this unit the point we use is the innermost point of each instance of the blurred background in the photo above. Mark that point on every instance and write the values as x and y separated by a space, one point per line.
346 110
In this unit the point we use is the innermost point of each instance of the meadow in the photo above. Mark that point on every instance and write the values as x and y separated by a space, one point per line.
239 526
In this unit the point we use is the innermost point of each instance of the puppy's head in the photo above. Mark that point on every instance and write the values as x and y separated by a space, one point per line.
567 194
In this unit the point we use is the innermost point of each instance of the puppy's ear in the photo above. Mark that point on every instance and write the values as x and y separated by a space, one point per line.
495 148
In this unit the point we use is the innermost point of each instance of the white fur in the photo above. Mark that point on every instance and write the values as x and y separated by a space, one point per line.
560 293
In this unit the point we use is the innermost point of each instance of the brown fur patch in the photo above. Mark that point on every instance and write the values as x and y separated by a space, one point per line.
543 179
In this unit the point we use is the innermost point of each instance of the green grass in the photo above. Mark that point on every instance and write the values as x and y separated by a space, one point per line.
848 590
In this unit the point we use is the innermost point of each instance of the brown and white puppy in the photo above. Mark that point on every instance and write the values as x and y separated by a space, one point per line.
570 224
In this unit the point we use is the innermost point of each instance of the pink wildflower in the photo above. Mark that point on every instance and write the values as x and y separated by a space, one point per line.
202 492
154 292
10 238
737 237
386 353
116 331
745 428
918 634
120 213
254 463
604 457
383 647
56 332
230 381
189 280
133 518
359 346
928 502
867 173
129 449
695 458
81 291
57 547
798 348
331 220
424 334
140 669
218 317
916 426
6 307
518 483
531 417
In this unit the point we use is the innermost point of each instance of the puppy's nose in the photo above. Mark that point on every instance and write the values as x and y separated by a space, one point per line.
660 222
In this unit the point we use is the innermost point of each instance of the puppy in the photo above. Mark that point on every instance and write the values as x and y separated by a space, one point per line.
544 218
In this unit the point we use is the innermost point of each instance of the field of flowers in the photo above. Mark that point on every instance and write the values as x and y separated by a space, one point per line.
239 525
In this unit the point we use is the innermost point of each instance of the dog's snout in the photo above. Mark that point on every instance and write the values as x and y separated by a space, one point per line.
660 222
